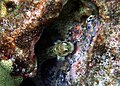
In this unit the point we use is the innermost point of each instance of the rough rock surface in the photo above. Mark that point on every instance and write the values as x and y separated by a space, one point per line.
80 48
92 27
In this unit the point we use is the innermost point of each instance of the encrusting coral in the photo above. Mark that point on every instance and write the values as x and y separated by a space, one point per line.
21 24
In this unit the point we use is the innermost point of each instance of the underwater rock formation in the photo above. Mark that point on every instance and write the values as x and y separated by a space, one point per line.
80 48
95 59
21 24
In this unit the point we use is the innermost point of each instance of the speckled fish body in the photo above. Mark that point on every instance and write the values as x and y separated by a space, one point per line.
92 26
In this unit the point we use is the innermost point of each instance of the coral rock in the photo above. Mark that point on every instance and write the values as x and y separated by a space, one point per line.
21 24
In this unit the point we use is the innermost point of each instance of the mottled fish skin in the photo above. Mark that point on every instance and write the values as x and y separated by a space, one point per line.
83 35
21 25
75 33
92 26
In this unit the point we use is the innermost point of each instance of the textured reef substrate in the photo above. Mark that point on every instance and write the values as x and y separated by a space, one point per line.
79 43
93 28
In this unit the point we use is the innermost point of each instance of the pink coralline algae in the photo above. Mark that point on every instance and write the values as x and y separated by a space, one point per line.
21 24
83 39
97 52
92 55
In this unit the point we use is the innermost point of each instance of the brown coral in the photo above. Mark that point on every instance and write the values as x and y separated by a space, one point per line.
20 27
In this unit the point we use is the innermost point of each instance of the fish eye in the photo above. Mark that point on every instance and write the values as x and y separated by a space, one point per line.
91 17
10 6
66 50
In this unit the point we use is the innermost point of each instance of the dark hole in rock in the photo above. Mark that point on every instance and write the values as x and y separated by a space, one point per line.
48 70
10 5
47 39
27 82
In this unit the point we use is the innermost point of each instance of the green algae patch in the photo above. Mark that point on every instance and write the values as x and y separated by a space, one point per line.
5 78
